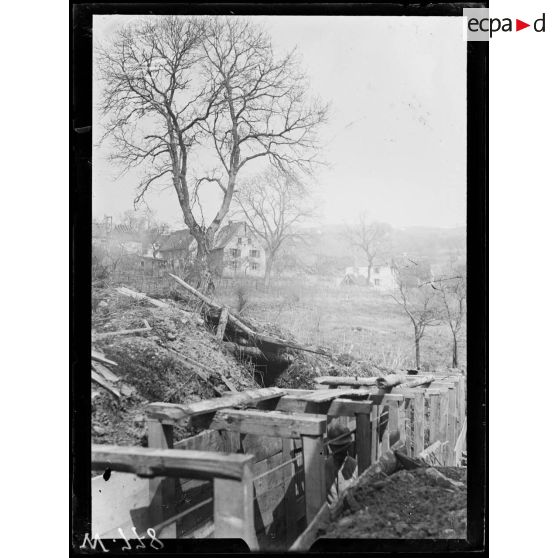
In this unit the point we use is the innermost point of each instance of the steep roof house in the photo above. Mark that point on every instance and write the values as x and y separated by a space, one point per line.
382 276
175 248
238 252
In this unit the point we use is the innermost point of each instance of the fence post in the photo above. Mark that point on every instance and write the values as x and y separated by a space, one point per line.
374 418
162 490
393 421
443 425
434 419
452 426
419 423
409 430
314 475
363 441
401 420
233 510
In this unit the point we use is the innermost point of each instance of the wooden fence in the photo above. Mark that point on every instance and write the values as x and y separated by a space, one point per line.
276 442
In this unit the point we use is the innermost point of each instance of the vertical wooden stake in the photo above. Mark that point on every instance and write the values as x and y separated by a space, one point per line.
162 490
393 422
233 508
314 475
363 441
385 438
374 418
290 497
452 426
401 421
443 425
408 403
223 319
419 423
434 421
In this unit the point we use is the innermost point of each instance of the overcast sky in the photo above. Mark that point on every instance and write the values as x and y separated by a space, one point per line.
396 136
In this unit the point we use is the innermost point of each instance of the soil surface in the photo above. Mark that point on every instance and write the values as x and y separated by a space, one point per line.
405 505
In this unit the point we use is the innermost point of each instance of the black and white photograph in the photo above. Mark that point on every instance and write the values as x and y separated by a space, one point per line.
282 212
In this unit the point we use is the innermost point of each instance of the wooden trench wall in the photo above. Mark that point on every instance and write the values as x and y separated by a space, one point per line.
257 471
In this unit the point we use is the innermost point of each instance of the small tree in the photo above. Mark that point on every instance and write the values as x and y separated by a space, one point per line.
370 238
273 203
452 289
419 302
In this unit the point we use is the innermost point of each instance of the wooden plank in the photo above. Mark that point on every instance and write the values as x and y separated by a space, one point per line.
233 510
290 496
401 421
443 424
261 447
179 413
162 491
409 442
321 396
97 378
122 501
452 427
460 443
309 535
223 319
393 421
314 475
363 441
349 408
105 372
434 418
208 440
419 423
384 398
169 462
269 423
95 355
374 441
346 381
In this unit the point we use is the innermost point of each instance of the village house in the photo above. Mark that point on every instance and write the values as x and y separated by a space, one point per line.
238 252
382 276
176 249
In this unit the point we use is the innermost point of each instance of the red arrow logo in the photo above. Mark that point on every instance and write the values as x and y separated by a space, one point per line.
519 25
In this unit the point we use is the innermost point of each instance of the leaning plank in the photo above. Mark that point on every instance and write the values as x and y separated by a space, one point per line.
102 382
180 413
101 358
346 381
259 337
150 462
308 536
104 372
320 396
140 296
223 319
123 331
269 423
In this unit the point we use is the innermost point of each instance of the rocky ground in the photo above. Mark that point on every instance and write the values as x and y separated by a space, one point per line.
405 505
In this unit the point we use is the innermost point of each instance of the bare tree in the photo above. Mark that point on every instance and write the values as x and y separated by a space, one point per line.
419 301
370 238
452 289
180 83
273 203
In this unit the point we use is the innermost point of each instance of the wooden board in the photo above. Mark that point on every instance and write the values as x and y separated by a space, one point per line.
314 475
169 462
419 424
261 447
178 413
208 440
122 501
269 423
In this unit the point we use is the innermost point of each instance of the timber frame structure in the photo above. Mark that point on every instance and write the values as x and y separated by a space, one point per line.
257 469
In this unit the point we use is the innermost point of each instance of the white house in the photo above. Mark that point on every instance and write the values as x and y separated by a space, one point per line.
382 276
238 252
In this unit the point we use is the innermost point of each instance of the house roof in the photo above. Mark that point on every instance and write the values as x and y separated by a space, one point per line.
230 231
177 240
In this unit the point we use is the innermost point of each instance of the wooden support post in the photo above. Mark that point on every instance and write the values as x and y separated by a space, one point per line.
384 420
223 319
162 490
290 496
443 424
393 422
233 508
314 475
419 423
408 403
452 426
374 442
434 420
363 441
462 401
401 421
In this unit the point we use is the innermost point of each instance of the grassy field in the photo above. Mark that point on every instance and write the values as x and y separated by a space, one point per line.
355 320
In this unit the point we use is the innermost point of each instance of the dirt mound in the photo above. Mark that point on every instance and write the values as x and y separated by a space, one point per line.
407 504
178 360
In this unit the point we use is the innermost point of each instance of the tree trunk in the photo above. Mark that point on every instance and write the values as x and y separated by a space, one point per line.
417 352
268 266
455 363
368 273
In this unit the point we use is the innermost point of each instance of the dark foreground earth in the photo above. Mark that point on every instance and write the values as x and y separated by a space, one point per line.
405 505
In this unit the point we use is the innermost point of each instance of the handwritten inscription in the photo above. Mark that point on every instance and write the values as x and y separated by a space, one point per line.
133 543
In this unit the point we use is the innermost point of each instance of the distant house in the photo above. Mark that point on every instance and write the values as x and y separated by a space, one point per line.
382 276
238 252
175 248
126 239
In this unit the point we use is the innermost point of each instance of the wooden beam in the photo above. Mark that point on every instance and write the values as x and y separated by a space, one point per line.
385 398
434 418
151 462
290 496
452 426
346 381
374 443
314 475
223 319
95 355
269 423
443 424
363 441
419 423
233 508
393 420
180 413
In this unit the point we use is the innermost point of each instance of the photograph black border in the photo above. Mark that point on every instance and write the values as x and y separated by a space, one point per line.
81 58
